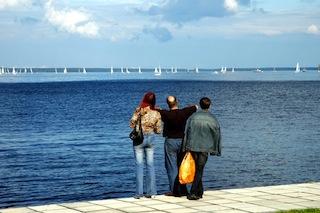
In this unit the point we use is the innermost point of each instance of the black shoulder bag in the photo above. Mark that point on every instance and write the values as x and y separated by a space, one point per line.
136 134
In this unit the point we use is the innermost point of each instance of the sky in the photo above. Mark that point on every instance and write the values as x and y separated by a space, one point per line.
150 33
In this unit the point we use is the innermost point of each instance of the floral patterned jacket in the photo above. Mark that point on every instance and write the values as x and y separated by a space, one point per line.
150 120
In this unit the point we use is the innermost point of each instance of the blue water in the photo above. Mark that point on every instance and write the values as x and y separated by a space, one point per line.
68 141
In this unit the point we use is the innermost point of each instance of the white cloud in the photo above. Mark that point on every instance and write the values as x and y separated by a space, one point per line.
313 29
14 3
72 21
231 5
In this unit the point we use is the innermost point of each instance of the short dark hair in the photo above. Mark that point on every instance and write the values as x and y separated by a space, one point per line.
205 103
173 103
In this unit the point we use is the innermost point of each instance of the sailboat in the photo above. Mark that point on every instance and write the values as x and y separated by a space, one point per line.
223 70
111 70
197 70
232 69
84 71
25 70
122 70
127 70
175 70
297 68
139 70
14 71
31 71
65 71
258 70
55 70
157 71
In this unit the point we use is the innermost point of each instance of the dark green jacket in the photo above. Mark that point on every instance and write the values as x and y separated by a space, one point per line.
202 133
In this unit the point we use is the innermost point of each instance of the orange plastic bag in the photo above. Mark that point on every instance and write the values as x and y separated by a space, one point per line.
187 169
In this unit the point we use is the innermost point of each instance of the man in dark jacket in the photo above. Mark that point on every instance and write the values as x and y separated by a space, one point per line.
202 136
174 121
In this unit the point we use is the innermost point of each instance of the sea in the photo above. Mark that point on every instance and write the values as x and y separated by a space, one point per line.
64 137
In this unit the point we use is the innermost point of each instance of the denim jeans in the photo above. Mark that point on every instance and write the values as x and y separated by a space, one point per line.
200 159
172 149
145 150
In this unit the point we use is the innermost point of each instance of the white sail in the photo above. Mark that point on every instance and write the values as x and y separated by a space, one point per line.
157 71
197 70
55 70
297 68
25 70
232 69
223 70
14 71
31 70
174 70
111 70
122 69
65 71
84 71
139 70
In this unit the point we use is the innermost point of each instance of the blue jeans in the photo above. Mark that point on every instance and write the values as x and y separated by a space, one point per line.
145 150
172 149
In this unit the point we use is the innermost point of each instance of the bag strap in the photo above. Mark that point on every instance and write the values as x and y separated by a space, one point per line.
138 124
140 127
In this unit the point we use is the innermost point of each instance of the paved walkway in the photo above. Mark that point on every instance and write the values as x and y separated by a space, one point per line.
257 199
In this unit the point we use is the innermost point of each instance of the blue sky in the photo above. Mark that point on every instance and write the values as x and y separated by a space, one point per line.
149 33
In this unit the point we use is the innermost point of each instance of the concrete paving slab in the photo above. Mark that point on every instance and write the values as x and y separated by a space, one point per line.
47 207
91 208
310 204
17 210
211 208
137 209
184 210
166 206
76 204
255 199
61 211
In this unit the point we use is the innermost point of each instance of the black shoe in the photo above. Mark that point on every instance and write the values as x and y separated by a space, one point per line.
149 196
169 194
181 194
193 197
